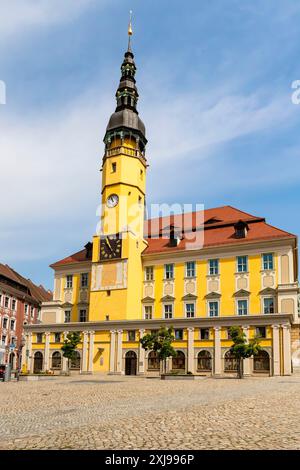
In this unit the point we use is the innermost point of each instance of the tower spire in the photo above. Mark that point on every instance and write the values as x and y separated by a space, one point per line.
130 31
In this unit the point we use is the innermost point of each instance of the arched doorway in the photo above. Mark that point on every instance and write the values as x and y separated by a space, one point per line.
38 362
230 362
261 362
56 360
204 362
178 362
76 361
130 363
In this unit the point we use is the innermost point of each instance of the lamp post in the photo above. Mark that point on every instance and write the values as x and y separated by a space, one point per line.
21 345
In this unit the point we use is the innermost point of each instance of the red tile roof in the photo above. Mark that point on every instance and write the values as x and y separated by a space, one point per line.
21 286
218 230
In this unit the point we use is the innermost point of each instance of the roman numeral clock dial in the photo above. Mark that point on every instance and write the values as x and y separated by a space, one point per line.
110 247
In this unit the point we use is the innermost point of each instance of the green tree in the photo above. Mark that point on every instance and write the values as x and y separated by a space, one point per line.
241 349
160 342
70 345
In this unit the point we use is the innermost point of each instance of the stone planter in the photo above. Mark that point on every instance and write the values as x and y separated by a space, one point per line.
29 378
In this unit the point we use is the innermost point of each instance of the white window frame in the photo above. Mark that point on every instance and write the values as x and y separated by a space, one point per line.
263 263
237 306
237 264
84 276
14 307
173 273
164 312
8 303
69 312
187 275
202 328
7 322
185 309
151 269
86 315
69 285
179 329
130 331
215 260
147 313
208 308
26 309
263 304
12 320
5 341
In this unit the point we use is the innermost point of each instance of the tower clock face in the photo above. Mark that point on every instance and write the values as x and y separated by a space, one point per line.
110 247
112 200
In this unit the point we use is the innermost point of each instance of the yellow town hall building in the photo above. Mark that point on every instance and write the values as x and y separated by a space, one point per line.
199 272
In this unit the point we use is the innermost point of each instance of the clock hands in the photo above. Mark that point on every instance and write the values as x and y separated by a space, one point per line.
108 243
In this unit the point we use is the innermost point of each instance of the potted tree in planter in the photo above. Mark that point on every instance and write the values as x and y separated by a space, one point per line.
241 349
161 343
69 347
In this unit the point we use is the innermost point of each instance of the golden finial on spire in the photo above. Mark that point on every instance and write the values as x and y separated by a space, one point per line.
130 31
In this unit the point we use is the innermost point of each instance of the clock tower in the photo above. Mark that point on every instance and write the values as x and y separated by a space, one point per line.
117 248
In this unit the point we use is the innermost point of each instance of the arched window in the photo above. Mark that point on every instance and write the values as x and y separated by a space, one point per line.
178 362
75 362
230 362
153 361
261 362
56 360
204 360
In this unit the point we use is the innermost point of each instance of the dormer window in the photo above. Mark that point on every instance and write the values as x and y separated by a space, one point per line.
241 229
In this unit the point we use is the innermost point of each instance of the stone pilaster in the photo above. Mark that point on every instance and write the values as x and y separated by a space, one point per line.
141 367
47 352
112 352
276 350
64 359
286 336
24 364
119 352
247 362
191 360
217 352
84 367
91 352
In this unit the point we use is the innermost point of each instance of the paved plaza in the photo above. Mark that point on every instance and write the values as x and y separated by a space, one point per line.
112 412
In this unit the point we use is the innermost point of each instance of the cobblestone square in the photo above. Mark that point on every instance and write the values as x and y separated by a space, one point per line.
117 412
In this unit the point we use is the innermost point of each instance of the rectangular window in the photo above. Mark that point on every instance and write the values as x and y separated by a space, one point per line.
242 307
178 334
131 335
213 308
84 280
267 261
204 333
6 302
269 306
168 310
32 312
4 340
190 269
12 324
13 304
0 300
39 337
67 316
82 315
228 333
189 310
4 323
148 312
69 281
261 331
57 337
169 271
213 267
113 167
149 274
242 264
26 309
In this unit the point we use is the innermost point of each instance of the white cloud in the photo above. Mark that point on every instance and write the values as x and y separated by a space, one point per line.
18 16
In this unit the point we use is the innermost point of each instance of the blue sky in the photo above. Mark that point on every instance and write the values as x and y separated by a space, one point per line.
214 78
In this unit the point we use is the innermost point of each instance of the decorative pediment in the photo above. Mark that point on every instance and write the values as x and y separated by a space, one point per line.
268 291
242 293
167 298
189 297
67 305
212 295
83 304
148 300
